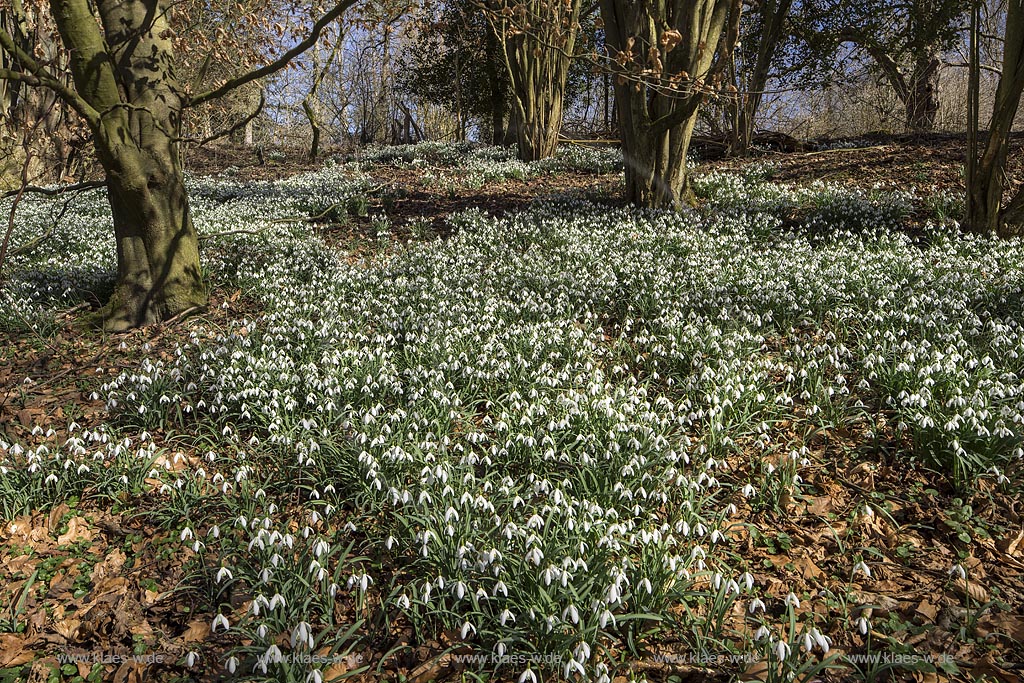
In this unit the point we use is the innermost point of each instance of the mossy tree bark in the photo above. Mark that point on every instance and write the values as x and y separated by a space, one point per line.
123 67
668 57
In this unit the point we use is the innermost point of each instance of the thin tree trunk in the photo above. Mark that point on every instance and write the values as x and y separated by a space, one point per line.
498 93
986 193
774 13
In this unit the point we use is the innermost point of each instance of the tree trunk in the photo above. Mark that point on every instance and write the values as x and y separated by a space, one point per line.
158 273
136 131
773 16
314 126
985 196
667 54
537 46
922 101
655 162
537 133
499 94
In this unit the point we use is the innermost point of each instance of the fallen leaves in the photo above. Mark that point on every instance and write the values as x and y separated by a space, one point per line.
973 590
1012 544
13 651
78 530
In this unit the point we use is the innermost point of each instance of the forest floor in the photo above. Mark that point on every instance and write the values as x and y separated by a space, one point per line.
98 576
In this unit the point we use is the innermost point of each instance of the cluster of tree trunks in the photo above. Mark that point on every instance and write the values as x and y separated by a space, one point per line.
668 59
538 41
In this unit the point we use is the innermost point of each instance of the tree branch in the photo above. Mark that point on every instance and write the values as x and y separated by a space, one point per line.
279 63
54 191
38 76
232 129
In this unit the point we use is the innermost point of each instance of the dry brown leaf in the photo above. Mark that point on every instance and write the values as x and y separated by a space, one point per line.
927 610
972 589
78 530
820 506
56 514
198 630
21 563
14 651
129 672
340 667
808 570
438 667
150 598
987 667
757 671
67 628
1011 545
1009 625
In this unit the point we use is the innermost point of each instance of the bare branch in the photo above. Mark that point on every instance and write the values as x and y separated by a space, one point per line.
54 191
232 129
279 63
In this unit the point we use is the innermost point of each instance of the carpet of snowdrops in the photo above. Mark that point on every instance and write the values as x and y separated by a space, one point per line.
535 442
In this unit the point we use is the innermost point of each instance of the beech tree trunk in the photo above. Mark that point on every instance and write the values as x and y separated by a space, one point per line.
124 87
136 132
158 274
668 61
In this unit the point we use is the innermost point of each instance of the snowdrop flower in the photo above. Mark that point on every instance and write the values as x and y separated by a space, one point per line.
220 620
527 676
302 634
823 642
863 568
